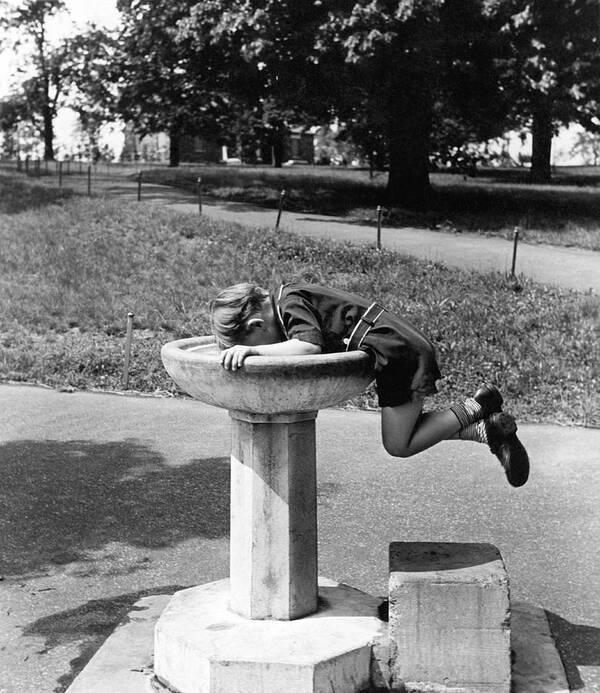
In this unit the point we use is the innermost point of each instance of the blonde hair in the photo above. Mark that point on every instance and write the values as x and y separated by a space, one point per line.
231 309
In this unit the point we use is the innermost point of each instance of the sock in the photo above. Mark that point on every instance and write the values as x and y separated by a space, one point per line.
476 432
467 412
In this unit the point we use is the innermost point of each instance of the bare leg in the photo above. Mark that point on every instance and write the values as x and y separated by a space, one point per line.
406 430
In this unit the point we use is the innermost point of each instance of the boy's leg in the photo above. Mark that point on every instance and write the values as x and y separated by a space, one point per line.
406 430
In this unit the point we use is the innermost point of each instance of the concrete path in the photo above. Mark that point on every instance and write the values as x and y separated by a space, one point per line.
571 268
107 498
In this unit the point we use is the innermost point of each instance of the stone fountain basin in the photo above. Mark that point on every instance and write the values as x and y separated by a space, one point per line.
266 384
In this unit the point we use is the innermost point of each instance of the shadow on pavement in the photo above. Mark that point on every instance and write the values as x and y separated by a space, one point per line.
89 625
578 645
60 500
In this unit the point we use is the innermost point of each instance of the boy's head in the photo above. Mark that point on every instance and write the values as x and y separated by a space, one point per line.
237 312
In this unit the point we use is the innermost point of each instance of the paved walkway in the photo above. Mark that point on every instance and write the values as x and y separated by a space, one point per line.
571 268
107 498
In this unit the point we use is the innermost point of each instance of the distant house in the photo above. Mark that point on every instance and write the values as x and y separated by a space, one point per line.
196 149
303 144
300 145
153 147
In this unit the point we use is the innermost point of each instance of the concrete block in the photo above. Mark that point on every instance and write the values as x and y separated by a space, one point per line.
449 623
201 646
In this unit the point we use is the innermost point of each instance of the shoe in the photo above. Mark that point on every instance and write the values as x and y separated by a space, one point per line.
489 399
501 431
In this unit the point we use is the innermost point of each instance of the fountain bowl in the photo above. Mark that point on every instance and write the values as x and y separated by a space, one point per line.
266 384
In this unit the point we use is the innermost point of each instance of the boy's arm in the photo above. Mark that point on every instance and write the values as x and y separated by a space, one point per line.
233 358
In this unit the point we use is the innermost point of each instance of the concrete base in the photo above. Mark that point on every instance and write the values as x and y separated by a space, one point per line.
201 645
124 663
536 662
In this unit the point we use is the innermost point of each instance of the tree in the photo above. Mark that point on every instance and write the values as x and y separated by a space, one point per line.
262 49
422 62
45 88
553 74
381 66
171 80
13 110
587 145
93 91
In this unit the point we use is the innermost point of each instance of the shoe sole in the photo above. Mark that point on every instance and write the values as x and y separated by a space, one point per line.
503 442
518 471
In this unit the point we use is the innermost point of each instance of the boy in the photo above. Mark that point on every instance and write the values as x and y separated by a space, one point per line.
309 319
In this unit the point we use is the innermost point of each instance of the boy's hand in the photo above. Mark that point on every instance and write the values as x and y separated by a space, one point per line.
233 358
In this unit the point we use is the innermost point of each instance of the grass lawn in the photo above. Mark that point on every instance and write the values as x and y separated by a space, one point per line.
495 202
71 268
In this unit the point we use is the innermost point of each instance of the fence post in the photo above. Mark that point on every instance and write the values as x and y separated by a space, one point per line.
281 196
127 351
199 189
27 165
60 174
139 190
378 227
514 256
89 180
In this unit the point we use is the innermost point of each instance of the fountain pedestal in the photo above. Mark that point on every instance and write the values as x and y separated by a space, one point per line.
273 555
273 626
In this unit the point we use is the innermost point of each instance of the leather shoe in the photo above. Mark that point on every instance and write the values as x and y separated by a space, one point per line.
489 399
501 430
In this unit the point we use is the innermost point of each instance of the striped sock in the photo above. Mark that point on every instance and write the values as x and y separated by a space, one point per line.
476 432
467 412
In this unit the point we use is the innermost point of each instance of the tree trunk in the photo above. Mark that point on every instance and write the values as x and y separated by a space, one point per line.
541 150
48 135
409 133
278 143
174 151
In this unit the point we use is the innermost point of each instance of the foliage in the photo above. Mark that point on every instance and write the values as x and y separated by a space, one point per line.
43 90
168 80
427 67
270 43
587 145
66 328
555 59
552 76
381 67
92 94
